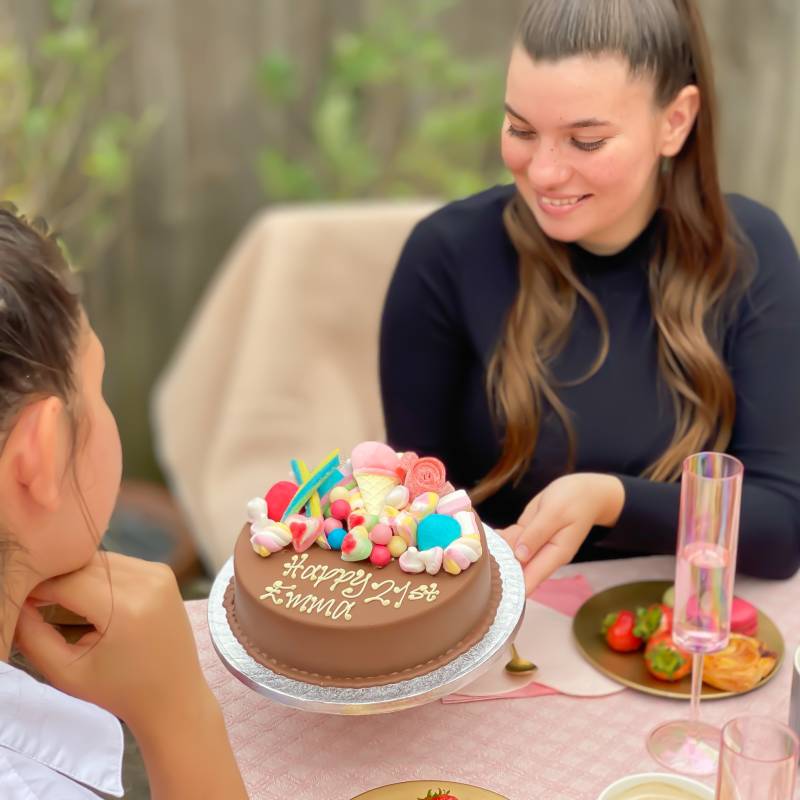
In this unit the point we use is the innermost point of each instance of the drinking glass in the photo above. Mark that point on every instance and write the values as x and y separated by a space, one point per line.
708 533
757 761
794 703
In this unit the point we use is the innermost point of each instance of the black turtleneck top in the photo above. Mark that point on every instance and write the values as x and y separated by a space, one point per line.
446 307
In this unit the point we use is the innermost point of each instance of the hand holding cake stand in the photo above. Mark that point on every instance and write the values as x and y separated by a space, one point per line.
415 691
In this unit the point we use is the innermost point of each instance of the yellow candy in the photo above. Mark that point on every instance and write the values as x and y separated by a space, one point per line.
405 525
355 499
322 541
451 566
388 514
397 546
424 505
339 493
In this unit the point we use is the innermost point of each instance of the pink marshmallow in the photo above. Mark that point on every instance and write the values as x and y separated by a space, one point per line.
454 502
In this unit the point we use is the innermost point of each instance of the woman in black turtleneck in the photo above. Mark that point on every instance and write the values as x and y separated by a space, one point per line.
563 343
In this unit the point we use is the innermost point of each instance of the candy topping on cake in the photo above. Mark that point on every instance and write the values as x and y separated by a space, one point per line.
378 505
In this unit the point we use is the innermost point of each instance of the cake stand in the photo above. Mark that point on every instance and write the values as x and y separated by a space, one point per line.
392 696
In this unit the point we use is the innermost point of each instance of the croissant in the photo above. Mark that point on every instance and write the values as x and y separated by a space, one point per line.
740 666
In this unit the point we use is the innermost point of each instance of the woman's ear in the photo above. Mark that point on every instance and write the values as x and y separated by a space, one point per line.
36 453
678 119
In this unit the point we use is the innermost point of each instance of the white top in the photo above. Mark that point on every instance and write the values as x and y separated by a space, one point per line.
52 745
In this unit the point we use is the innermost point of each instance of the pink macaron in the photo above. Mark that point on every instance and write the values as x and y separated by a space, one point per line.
744 617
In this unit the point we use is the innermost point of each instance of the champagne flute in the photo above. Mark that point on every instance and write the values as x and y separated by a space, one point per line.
708 533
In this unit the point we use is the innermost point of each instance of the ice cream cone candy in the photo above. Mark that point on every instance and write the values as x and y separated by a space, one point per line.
374 486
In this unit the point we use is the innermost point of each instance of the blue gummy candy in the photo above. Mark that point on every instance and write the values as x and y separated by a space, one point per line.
336 537
437 530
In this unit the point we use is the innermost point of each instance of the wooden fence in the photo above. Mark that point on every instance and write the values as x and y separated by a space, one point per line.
195 183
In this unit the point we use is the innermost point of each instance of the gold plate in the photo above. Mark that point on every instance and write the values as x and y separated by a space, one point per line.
629 668
411 790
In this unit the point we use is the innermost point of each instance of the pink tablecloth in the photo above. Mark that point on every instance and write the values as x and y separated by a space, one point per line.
542 748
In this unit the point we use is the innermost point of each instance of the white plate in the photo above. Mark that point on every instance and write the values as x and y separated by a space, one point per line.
702 791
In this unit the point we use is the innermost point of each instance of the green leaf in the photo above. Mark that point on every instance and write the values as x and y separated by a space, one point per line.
333 122
448 111
38 122
11 63
62 10
108 159
356 61
285 179
75 43
276 75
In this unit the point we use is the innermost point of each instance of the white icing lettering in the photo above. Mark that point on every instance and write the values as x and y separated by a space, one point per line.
352 585
291 568
311 604
380 596
427 592
344 608
402 591
274 592
359 581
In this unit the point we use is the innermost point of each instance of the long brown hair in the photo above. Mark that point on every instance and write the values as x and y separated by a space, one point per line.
40 322
695 272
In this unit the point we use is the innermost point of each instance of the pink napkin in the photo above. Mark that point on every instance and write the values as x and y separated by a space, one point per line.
565 595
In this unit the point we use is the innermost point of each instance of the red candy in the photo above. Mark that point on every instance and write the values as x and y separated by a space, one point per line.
380 555
278 497
340 509
355 518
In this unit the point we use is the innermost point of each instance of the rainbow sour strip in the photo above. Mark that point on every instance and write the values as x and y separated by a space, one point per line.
302 474
329 482
311 485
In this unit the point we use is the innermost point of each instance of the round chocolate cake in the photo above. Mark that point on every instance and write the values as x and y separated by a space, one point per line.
397 595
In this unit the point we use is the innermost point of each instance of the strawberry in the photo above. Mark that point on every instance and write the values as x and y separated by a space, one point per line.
619 633
439 794
665 660
653 620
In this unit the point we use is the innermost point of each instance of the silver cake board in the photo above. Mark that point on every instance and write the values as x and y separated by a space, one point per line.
449 678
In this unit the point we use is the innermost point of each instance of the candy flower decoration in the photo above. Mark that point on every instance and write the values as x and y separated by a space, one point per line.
425 475
378 505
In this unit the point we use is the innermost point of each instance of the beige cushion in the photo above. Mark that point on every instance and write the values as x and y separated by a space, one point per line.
280 360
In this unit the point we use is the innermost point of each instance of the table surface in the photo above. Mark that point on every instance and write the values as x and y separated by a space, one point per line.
542 748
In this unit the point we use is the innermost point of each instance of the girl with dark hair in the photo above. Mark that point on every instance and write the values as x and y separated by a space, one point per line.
60 467
565 342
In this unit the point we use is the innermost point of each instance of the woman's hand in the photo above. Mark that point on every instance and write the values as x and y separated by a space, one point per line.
556 522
